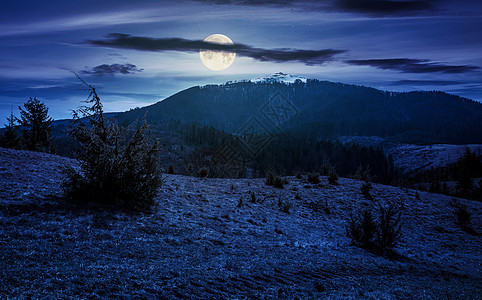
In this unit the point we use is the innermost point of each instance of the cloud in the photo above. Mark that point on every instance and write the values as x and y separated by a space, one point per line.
125 41
112 69
407 65
426 82
371 7
385 7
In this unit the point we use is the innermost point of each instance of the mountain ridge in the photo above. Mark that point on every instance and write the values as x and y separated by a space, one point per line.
325 109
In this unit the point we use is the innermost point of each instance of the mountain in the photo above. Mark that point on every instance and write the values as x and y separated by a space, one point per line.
321 109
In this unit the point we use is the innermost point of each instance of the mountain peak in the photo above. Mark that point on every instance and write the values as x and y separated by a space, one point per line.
279 77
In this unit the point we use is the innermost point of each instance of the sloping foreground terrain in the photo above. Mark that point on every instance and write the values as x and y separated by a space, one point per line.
207 239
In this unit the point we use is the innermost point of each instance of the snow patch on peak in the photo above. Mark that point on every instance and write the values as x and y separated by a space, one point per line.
279 77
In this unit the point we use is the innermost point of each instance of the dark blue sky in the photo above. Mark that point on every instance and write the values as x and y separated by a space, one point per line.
139 52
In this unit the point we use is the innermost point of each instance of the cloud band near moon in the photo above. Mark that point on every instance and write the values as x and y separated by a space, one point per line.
125 41
407 65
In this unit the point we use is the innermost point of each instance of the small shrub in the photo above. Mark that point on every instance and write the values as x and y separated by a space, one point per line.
389 227
297 196
275 180
253 197
332 177
363 174
365 189
326 167
170 169
298 175
203 173
284 206
362 229
313 178
240 203
320 206
462 215
377 234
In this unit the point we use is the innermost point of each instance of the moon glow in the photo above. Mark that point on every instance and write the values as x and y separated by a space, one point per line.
217 60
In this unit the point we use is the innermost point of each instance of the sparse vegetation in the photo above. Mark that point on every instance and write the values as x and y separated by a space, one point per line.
253 196
463 216
314 178
365 189
203 172
377 234
284 205
363 174
332 177
115 169
320 206
275 180
170 169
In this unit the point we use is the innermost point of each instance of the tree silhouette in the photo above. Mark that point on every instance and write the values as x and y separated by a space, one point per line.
10 137
36 126
118 166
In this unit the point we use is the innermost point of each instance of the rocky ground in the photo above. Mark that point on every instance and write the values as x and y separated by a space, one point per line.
208 238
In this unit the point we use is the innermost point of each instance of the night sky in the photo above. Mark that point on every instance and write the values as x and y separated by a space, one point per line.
139 52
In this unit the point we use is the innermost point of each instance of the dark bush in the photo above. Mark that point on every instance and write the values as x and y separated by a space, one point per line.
462 214
118 167
377 234
363 174
284 206
389 227
275 180
332 177
313 178
320 206
365 189
170 169
203 173
253 197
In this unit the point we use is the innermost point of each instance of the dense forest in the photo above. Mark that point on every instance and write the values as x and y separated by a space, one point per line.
462 179
284 154
325 110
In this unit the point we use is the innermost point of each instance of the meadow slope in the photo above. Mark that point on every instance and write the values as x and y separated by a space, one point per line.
207 238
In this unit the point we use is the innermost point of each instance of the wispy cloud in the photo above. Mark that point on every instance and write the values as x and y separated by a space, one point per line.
112 69
385 7
407 65
83 21
125 41
425 82
370 7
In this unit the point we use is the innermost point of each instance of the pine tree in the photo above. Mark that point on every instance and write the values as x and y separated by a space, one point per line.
10 137
119 167
36 126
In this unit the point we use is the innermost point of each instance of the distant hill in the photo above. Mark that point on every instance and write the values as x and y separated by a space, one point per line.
322 109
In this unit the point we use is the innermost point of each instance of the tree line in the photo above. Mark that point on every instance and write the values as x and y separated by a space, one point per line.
32 131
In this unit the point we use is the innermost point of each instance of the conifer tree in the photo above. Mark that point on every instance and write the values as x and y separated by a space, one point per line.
118 167
10 137
36 126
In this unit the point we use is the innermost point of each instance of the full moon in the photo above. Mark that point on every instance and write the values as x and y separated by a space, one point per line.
217 60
